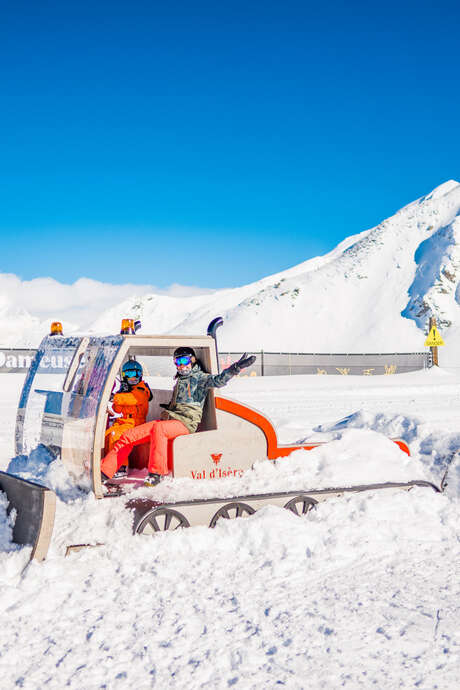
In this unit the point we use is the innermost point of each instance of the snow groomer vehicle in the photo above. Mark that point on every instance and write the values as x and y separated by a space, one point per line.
64 409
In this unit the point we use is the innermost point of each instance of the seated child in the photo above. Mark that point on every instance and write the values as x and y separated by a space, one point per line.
129 405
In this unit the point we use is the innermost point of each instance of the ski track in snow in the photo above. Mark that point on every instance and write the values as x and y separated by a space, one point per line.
362 592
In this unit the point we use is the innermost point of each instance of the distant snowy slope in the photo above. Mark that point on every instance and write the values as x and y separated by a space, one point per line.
373 292
18 328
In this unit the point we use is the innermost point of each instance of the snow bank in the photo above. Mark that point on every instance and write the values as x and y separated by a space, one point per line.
41 467
360 457
265 601
362 591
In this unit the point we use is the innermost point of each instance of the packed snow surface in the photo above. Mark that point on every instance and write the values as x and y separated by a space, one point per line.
363 591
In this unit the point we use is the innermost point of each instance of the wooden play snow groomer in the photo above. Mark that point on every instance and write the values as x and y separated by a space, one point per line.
64 407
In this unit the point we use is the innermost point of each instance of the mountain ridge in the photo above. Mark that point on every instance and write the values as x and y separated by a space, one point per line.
376 273
374 291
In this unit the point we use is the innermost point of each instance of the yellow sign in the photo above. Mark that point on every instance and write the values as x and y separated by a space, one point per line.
434 339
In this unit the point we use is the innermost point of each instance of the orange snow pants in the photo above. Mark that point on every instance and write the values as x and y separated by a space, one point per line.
157 432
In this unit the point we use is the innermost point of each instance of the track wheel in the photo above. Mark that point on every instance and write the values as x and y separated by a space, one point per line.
161 520
301 505
232 510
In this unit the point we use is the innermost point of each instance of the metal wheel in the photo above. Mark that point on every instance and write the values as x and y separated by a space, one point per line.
161 520
232 510
301 505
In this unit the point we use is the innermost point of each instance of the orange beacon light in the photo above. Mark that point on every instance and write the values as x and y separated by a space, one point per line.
56 328
129 326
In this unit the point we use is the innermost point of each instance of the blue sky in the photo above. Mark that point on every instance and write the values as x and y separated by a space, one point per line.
212 144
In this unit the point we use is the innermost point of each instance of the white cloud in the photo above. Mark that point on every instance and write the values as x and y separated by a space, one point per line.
176 290
80 302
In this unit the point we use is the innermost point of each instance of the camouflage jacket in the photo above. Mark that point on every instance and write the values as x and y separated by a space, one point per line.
189 395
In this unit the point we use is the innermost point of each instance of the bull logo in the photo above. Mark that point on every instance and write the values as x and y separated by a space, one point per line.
216 457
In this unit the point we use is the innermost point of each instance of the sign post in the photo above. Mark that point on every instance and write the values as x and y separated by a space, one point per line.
434 340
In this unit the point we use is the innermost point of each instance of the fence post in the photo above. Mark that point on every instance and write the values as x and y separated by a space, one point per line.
262 363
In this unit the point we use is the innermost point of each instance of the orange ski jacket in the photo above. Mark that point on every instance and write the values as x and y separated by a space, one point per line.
133 405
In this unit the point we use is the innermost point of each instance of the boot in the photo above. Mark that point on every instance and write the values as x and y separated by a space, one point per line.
152 479
121 472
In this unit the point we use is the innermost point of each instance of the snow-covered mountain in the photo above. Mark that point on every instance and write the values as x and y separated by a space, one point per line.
20 329
374 292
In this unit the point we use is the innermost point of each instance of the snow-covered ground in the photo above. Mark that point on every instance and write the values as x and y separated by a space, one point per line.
362 592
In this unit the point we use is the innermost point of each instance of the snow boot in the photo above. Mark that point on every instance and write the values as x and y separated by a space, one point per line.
121 472
152 479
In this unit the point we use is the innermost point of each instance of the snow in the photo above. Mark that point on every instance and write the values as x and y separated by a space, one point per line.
378 288
362 591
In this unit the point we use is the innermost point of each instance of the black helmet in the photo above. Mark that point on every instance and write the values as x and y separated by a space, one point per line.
184 351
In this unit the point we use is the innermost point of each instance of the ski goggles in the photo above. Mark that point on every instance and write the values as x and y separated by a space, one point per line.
131 374
183 360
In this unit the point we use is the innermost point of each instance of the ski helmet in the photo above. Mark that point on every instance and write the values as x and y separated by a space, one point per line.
184 351
131 370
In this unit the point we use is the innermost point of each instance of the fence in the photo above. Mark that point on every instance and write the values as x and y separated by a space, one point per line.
270 363
364 364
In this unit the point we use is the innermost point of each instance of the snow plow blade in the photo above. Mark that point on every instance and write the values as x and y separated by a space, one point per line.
35 508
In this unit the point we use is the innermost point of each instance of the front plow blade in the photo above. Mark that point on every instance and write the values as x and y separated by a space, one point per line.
35 506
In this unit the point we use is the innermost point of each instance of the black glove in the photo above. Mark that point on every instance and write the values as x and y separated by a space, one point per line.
243 362
124 387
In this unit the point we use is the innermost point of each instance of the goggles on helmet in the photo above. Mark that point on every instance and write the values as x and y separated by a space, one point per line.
183 360
131 373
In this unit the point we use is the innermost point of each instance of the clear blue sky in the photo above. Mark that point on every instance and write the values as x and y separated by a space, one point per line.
210 143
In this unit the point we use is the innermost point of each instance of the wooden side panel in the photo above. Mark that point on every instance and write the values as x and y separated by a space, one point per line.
224 452
35 506
243 436
74 453
236 410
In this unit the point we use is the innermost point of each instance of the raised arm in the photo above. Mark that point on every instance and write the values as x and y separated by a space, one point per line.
220 380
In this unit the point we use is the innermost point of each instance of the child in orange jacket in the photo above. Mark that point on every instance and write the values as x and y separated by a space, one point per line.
130 404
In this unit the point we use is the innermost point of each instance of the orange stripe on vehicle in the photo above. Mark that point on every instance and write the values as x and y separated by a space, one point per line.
273 449
402 444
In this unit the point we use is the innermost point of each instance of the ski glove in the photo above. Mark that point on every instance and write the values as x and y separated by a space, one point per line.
243 362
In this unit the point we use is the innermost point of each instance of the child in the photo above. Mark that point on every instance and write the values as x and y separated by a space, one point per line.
129 406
